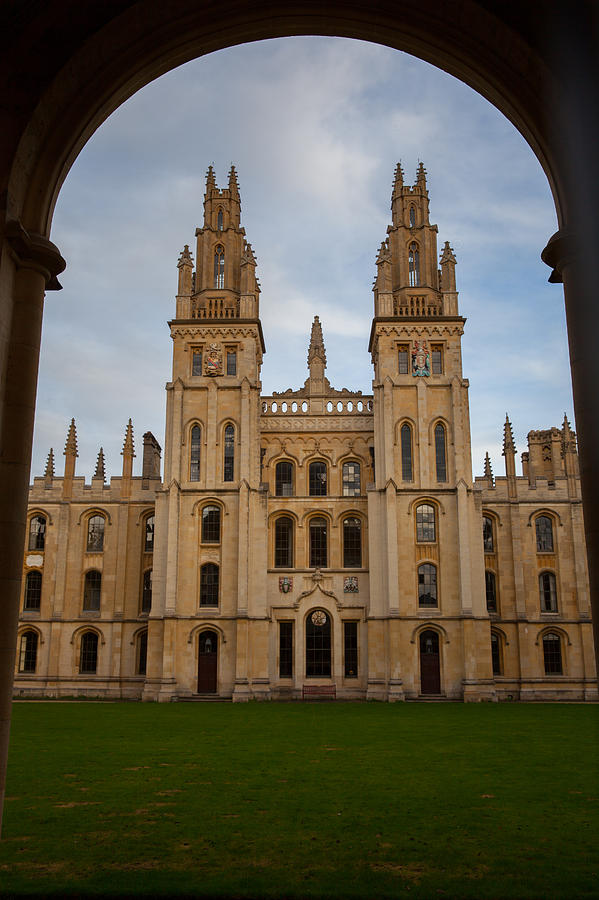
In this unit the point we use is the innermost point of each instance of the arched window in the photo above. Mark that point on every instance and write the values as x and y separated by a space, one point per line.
209 585
318 542
211 525
284 479
37 533
552 654
219 220
406 452
548 592
88 655
92 589
352 543
414 264
425 523
219 267
229 454
33 590
318 645
491 591
496 654
95 534
146 592
440 455
351 479
149 535
284 542
412 217
142 652
28 652
427 585
318 479
196 449
488 543
544 529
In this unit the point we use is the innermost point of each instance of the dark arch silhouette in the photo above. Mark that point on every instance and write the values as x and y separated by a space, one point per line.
66 67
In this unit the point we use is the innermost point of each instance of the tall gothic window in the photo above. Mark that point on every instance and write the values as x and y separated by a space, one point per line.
88 653
33 590
142 652
318 543
318 479
412 217
209 578
284 542
285 649
552 654
488 534
425 523
92 591
403 359
37 533
196 362
350 648
149 536
231 362
406 452
440 453
548 592
318 645
146 592
219 220
491 591
196 449
219 267
414 264
352 543
229 454
427 585
284 479
496 653
211 525
351 479
95 534
544 529
28 652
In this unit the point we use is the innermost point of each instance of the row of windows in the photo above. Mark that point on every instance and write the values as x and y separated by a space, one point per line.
88 653
318 542
547 592
92 591
552 653
228 453
543 534
96 526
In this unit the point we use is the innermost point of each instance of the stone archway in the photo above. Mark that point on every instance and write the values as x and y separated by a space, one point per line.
68 68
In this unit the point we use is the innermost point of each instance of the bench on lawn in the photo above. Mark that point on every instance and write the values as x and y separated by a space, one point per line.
311 691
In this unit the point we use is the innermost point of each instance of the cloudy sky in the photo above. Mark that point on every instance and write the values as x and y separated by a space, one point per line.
315 127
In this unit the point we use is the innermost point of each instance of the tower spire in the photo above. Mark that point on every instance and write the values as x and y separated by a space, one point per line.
49 472
488 470
100 467
316 349
509 451
421 176
70 455
233 185
210 181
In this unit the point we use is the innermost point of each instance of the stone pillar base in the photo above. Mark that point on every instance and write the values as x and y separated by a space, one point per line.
396 691
160 690
261 689
241 692
479 691
377 690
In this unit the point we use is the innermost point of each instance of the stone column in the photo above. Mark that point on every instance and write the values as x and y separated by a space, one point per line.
577 271
32 263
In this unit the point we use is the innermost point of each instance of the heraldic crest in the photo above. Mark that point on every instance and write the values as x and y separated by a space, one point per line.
213 361
421 359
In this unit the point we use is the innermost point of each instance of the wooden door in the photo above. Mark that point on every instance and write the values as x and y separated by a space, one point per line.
207 662
430 669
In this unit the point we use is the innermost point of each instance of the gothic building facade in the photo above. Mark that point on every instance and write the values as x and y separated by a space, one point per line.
317 537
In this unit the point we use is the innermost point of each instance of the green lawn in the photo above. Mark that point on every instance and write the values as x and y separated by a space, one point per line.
302 800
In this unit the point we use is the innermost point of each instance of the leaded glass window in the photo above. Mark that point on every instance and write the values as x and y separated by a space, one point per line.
350 646
403 359
440 453
437 359
33 590
318 645
552 654
195 455
284 479
211 525
92 591
412 217
142 653
427 585
491 591
88 657
496 653
231 362
406 452
229 454
425 523
352 543
284 542
351 479
37 533
28 652
219 267
149 535
196 362
285 649
219 220
488 534
544 529
209 578
318 542
414 264
95 534
146 592
318 479
548 592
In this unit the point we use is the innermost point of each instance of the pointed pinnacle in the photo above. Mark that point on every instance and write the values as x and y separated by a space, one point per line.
185 259
210 182
448 254
398 180
421 173
70 447
49 473
316 347
508 437
100 468
488 470
233 186
128 446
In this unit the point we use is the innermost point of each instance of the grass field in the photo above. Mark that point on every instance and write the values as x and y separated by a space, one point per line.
302 800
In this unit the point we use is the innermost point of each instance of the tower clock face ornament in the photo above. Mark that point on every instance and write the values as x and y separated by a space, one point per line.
421 359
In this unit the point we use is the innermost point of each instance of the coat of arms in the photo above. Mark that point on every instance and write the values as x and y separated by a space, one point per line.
350 584
285 584
213 360
421 359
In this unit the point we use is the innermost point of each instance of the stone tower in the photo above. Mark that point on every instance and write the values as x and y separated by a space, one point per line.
424 531
205 563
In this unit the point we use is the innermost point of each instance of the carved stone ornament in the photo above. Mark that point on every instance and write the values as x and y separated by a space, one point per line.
421 359
213 360
319 617
285 584
350 584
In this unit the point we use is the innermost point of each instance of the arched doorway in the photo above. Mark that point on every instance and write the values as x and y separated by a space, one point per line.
430 664
208 662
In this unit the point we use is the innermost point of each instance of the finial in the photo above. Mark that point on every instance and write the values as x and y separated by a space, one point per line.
488 470
448 254
316 347
508 437
568 437
421 173
49 473
70 448
398 181
233 186
185 259
100 468
210 182
128 446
